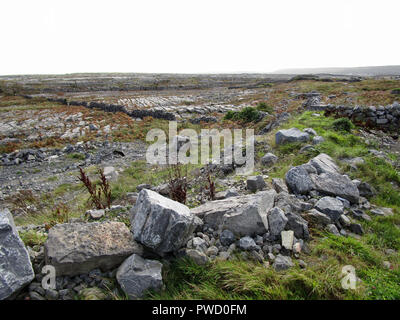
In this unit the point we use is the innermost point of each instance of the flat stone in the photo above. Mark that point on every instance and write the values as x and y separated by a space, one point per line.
197 256
318 217
333 229
291 135
334 184
77 248
324 163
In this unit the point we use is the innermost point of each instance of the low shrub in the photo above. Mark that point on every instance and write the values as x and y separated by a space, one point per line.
343 124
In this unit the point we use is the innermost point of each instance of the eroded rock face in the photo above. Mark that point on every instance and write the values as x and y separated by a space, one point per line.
77 248
160 223
137 275
244 215
15 266
291 135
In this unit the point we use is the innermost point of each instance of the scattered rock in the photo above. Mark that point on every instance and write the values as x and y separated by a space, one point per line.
291 135
333 184
279 185
226 194
318 217
95 214
197 256
255 183
276 221
269 159
332 207
356 228
227 238
244 215
333 229
298 225
366 190
110 173
282 263
298 180
317 140
137 275
324 164
310 131
247 243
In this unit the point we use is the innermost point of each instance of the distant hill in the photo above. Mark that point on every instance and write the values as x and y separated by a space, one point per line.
357 71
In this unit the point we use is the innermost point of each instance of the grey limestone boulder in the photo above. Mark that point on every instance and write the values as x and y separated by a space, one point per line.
291 135
160 223
77 248
137 275
15 266
243 215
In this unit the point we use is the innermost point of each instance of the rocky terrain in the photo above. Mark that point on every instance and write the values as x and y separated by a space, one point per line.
324 192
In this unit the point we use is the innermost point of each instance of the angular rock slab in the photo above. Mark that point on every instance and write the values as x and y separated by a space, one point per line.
291 135
332 207
15 266
77 248
137 275
244 215
324 163
334 184
160 223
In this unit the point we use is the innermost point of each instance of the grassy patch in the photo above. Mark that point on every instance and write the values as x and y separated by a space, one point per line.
32 238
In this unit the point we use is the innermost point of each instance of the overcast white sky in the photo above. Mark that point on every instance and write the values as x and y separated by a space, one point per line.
203 36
